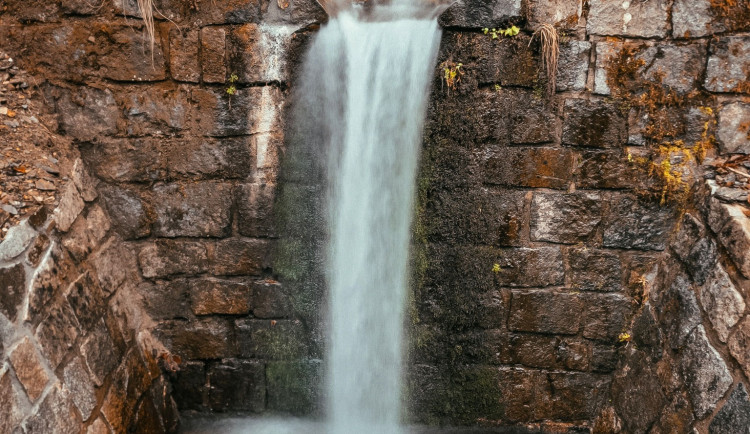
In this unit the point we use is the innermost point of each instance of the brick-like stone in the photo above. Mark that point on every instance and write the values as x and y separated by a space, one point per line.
276 340
210 338
57 333
88 114
192 210
735 415
734 128
607 169
87 233
213 54
706 375
157 113
245 112
78 383
100 353
735 236
131 380
227 158
605 316
240 257
545 312
572 396
29 369
637 394
479 14
131 56
679 311
237 385
617 18
728 64
183 55
534 122
166 300
169 257
259 52
115 266
130 215
13 285
71 205
722 303
11 404
255 203
573 64
270 300
190 386
596 124
564 218
521 267
530 167
16 240
739 344
634 224
595 270
294 387
692 19
55 415
559 12
216 296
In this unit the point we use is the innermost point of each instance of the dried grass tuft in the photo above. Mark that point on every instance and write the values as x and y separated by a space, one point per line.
146 7
550 44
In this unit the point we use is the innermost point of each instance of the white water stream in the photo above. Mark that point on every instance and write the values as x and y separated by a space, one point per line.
375 74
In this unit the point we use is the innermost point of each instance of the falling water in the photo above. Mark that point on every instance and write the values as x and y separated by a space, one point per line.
369 76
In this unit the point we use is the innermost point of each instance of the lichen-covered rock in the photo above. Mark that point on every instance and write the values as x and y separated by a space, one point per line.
626 18
722 303
728 65
564 218
255 203
295 387
734 128
706 374
571 396
734 417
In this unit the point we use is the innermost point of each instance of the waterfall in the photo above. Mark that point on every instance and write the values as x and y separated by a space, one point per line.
368 76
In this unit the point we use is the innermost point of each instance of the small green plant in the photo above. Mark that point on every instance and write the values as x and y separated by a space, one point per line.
498 88
232 89
451 74
496 33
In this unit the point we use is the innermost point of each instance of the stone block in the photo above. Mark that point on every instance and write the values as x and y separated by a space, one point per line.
573 64
130 215
646 334
739 344
255 203
215 296
88 113
678 311
534 122
249 111
595 270
607 169
81 389
237 385
190 389
130 56
294 387
478 215
693 19
13 284
735 237
258 53
87 233
530 167
17 239
565 218
163 258
639 19
636 224
85 183
200 209
100 353
57 333
637 394
71 205
606 316
479 14
227 158
559 12
55 268
236 256
734 416
55 415
593 123
209 338
115 266
183 55
207 12
213 54
87 301
520 267
545 312
706 375
702 260
166 300
734 128
148 111
690 230
275 340
131 380
604 358
535 351
571 396
29 369
728 63
11 403
270 300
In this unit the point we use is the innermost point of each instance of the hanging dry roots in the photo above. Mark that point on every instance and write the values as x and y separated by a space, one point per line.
146 7
550 52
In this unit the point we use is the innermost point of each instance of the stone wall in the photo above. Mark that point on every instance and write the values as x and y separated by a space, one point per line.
552 287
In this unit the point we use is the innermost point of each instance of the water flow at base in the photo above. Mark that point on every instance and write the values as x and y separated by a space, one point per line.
369 79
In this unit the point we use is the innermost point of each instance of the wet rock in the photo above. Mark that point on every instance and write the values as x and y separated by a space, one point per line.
545 312
96 115
573 64
57 333
721 301
678 311
738 344
29 369
533 122
564 218
734 127
240 257
183 55
636 393
81 389
676 417
701 260
275 340
210 338
167 257
226 158
237 385
480 14
604 358
71 205
255 203
259 52
214 296
294 387
633 224
251 110
213 48
530 167
572 396
735 236
605 169
192 210
595 270
129 214
270 300
605 316
593 123
690 231
100 353
734 417
641 19
706 375
190 387
647 335
728 64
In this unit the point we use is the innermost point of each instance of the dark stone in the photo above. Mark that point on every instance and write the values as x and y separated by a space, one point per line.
647 335
545 312
255 203
54 270
237 385
190 387
13 287
572 396
154 113
524 267
637 394
690 231
608 169
678 311
100 353
37 250
168 257
632 224
192 210
595 124
478 14
146 419
604 358
605 316
129 213
295 387
88 114
270 300
214 296
87 301
240 257
706 375
564 218
595 270
57 333
264 339
533 122
210 338
168 300
39 218
702 260
530 167
734 417
535 351
55 414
